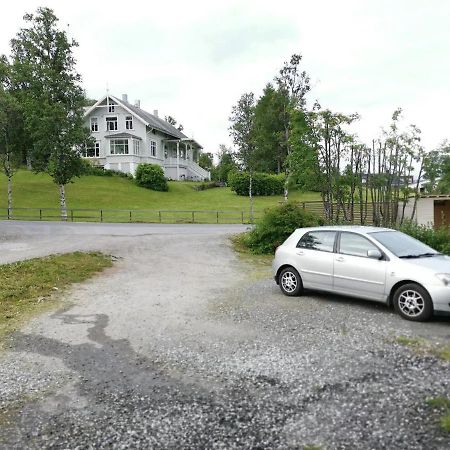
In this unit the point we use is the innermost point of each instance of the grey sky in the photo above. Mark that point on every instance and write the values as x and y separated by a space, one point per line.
193 59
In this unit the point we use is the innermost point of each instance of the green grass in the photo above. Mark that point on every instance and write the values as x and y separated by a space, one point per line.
93 192
442 404
423 346
30 287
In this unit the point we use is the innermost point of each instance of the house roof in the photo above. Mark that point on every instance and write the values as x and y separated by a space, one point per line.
152 120
123 136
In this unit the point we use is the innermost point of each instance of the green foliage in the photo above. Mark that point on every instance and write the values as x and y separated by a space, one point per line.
45 81
269 131
151 176
262 183
226 164
205 161
277 225
207 185
437 239
91 169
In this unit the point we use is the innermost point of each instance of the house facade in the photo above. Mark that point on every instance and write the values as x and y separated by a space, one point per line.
125 136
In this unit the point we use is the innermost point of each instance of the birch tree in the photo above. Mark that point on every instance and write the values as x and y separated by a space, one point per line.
242 133
47 85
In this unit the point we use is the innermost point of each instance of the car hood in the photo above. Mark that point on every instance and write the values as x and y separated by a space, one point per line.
438 264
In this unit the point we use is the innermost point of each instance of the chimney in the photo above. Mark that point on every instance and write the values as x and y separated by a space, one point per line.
155 112
137 103
125 98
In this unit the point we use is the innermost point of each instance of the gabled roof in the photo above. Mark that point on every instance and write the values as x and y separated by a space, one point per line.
149 119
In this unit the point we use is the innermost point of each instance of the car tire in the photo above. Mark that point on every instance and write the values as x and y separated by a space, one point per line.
413 302
290 282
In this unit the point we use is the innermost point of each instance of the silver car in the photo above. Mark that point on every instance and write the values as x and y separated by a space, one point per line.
371 263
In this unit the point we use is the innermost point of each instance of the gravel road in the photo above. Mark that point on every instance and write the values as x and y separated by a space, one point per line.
183 344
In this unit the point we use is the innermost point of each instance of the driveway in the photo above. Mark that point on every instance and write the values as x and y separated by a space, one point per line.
183 344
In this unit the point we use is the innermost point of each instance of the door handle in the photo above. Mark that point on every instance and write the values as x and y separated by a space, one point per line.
340 259
300 252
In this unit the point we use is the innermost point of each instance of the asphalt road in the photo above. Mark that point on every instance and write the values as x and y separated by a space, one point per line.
183 344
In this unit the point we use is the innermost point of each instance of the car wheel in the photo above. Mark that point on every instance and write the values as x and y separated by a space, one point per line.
413 302
290 282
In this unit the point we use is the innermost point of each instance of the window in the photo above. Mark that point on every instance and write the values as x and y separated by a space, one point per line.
111 124
318 240
118 147
355 245
136 146
92 151
94 124
129 122
111 108
153 148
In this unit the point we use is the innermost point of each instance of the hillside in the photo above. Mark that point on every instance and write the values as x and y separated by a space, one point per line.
91 192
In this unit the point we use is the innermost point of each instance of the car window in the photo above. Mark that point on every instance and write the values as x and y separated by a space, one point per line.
355 245
318 240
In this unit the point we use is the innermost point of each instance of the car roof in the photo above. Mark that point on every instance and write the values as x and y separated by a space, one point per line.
356 228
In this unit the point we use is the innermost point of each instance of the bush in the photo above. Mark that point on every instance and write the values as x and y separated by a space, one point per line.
437 239
276 226
151 176
207 185
263 183
99 171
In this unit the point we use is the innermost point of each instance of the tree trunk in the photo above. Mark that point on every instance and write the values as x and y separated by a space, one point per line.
250 195
62 201
10 211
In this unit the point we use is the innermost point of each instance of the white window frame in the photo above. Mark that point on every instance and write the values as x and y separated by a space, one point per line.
111 121
129 122
94 124
153 148
112 108
118 143
136 147
96 149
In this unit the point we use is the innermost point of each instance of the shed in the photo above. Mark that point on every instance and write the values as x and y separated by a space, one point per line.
431 210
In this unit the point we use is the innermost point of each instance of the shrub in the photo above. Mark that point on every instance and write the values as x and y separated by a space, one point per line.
207 185
263 183
90 169
151 176
438 239
276 226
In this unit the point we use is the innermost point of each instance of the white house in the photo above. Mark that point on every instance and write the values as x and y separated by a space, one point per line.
126 135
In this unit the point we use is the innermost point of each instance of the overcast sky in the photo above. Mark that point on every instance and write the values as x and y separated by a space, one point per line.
193 59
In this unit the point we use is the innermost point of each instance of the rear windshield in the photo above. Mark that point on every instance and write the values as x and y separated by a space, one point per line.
401 244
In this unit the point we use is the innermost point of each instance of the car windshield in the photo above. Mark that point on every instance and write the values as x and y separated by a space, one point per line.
402 245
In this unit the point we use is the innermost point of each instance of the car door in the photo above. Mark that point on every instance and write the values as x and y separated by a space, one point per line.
315 259
354 272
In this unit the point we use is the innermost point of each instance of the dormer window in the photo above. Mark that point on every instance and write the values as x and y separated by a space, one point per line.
111 108
94 124
111 124
129 122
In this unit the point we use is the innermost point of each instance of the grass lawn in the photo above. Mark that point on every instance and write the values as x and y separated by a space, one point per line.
30 287
93 192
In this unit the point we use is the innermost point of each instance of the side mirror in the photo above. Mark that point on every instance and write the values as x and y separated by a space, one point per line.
374 254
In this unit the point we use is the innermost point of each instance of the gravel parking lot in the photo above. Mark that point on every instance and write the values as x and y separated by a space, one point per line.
184 344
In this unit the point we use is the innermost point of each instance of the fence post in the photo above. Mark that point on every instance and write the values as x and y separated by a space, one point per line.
193 216
40 214
217 212
71 214
242 216
130 215
303 205
159 213
101 215
9 213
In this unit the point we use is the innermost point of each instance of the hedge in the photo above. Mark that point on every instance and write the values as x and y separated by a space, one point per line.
262 183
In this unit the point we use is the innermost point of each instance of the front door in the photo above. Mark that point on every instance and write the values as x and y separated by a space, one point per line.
354 272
